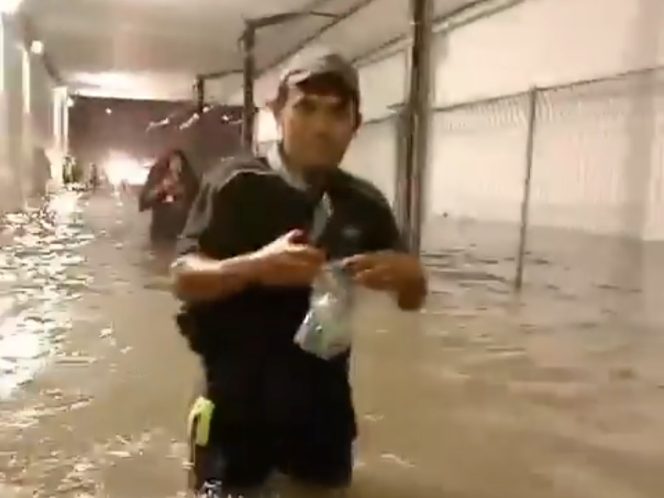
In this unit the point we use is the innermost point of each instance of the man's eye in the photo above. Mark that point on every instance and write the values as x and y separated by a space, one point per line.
341 111
306 106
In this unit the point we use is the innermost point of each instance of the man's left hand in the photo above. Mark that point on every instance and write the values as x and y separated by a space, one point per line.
391 271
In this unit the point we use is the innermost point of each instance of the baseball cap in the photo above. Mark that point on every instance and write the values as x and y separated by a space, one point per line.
307 65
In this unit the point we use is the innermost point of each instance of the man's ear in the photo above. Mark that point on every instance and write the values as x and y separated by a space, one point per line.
278 103
277 109
359 120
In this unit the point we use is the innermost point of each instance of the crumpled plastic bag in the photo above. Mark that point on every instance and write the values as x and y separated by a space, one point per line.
326 331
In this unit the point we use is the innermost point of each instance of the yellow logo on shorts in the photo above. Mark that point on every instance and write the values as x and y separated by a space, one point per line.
200 418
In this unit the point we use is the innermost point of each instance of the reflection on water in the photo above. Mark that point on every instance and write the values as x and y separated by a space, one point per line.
39 272
558 394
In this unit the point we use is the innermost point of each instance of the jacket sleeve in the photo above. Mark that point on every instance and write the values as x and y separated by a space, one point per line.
387 234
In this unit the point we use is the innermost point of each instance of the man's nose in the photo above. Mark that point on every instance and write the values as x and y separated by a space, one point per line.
320 125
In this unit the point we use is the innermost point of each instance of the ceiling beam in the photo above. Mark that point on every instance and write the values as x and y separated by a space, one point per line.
354 9
477 10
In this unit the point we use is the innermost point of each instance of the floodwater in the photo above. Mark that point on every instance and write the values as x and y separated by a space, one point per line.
557 394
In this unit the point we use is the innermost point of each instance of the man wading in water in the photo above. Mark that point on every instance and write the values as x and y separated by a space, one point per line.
244 272
169 190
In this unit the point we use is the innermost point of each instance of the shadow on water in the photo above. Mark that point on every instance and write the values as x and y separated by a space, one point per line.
39 272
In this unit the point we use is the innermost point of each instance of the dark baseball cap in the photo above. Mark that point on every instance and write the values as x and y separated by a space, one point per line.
307 65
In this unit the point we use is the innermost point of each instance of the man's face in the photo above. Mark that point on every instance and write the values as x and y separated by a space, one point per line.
317 127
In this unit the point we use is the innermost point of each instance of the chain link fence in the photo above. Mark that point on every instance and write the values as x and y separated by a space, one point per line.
593 209
374 155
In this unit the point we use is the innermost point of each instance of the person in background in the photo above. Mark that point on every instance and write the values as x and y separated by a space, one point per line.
76 172
94 177
169 190
41 171
67 170
244 273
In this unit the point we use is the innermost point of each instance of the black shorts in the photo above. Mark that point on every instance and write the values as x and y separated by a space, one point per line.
246 456
302 425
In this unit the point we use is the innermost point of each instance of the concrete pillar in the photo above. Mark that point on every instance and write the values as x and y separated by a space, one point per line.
26 163
5 171
12 148
60 146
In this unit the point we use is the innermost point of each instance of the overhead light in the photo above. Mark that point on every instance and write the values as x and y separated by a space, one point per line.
37 47
9 6
109 111
120 167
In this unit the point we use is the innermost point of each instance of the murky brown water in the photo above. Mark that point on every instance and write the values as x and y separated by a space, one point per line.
560 394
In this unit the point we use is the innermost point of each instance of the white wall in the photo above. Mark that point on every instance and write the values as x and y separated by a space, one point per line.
11 187
598 153
26 118
383 84
548 42
60 126
41 89
477 163
6 176
373 156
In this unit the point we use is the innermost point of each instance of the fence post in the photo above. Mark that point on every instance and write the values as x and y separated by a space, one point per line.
249 75
418 111
200 94
401 177
525 201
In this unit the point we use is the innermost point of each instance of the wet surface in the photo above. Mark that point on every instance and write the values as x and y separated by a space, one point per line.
39 274
559 393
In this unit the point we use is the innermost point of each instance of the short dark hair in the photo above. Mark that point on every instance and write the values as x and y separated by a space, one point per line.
324 84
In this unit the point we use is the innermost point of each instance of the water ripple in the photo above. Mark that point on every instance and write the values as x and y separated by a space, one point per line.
40 270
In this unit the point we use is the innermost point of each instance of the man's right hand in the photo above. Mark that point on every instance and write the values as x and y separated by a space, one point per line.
288 261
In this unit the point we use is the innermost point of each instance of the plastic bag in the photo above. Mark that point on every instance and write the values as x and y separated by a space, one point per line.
326 330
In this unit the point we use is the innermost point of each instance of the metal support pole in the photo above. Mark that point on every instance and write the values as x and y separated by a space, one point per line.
402 173
525 201
200 94
418 112
249 44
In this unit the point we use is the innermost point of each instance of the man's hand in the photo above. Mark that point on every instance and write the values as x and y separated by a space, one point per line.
288 261
171 187
391 271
